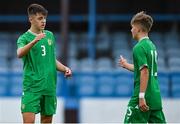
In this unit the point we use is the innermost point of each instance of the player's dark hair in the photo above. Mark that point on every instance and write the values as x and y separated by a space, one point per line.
33 9
144 20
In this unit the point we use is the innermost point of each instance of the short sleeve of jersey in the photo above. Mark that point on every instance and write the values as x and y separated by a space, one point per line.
21 42
140 57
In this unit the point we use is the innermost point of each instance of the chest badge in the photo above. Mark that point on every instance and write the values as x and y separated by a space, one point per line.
49 41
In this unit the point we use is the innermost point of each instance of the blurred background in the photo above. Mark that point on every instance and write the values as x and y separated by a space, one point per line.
91 35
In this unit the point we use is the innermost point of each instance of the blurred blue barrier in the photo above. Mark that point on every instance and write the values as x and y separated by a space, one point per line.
86 86
93 84
175 80
124 85
81 18
3 85
164 84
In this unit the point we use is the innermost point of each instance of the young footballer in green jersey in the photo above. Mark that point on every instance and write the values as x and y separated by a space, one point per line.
145 104
36 47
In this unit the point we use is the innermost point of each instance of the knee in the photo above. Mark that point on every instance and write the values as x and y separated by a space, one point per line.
29 119
46 119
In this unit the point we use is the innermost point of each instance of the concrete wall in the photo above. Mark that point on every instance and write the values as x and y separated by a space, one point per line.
97 110
10 111
113 110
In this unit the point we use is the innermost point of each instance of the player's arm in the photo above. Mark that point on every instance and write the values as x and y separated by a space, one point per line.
123 63
144 76
24 50
60 67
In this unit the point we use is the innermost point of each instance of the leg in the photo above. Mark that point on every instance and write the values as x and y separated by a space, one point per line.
46 118
48 108
28 117
30 106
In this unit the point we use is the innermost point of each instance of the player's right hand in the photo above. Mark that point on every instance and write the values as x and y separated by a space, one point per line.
142 105
122 61
68 72
39 37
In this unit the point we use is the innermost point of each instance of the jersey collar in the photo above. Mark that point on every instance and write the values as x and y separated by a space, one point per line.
146 37
35 34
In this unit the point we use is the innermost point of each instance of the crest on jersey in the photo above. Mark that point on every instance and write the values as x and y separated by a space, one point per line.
49 41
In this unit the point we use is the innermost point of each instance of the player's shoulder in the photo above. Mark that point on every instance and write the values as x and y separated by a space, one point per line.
139 47
144 43
24 35
48 32
148 44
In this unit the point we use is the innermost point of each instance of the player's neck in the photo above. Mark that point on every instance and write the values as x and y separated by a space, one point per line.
142 35
35 30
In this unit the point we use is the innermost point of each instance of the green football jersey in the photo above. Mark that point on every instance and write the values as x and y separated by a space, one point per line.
145 54
39 65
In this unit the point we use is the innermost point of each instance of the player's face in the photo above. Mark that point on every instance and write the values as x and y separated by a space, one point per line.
38 21
135 31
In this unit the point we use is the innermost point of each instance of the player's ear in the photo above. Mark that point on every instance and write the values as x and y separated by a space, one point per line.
30 18
139 28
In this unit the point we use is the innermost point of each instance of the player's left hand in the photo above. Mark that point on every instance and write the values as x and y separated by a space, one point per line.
122 62
142 105
68 72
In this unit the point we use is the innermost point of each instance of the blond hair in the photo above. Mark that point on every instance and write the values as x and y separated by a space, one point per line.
144 20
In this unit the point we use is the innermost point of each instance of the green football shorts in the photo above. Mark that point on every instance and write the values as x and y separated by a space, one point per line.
135 115
38 103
